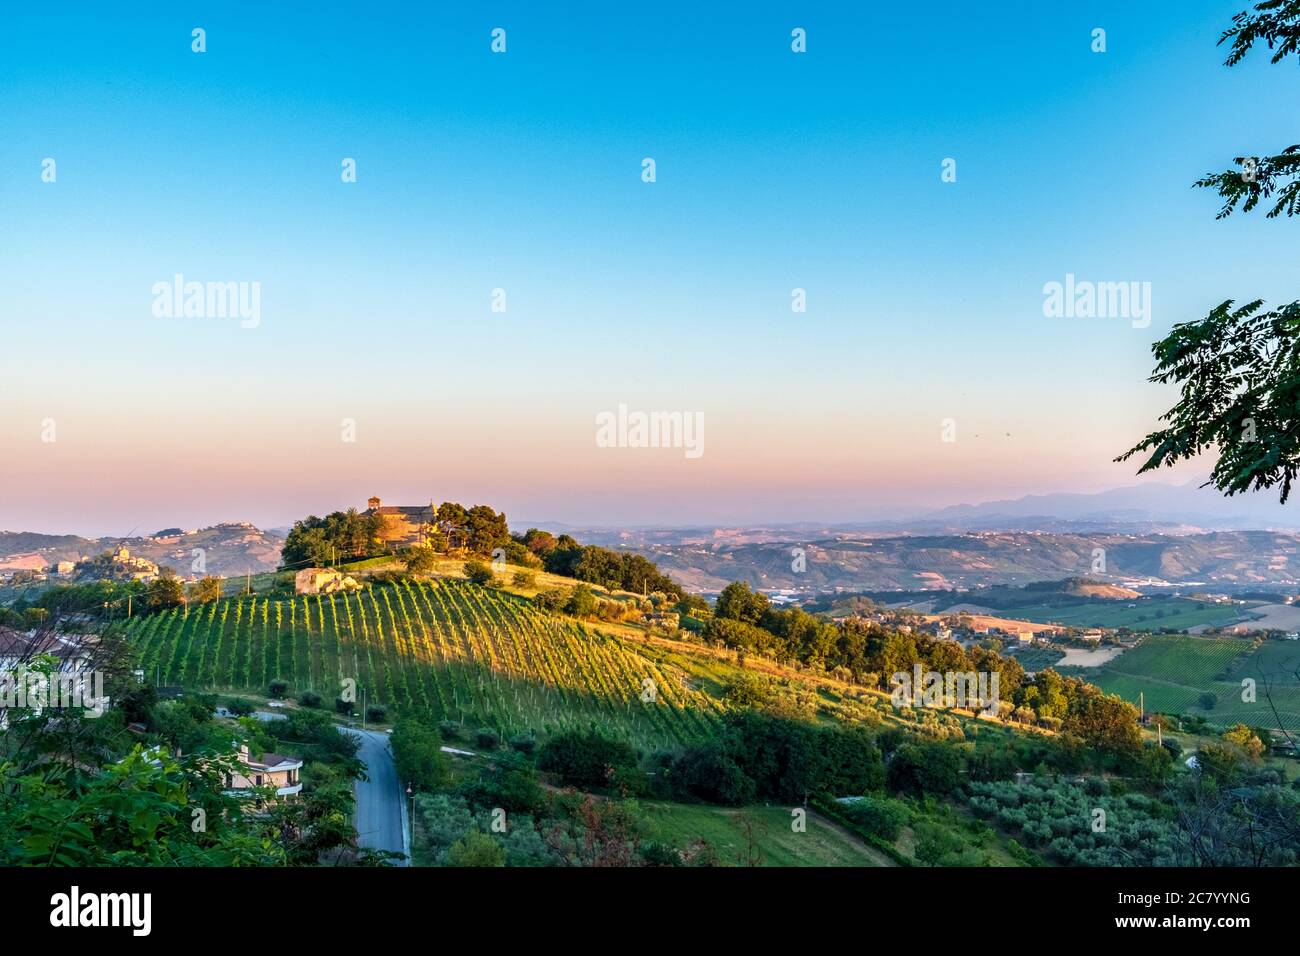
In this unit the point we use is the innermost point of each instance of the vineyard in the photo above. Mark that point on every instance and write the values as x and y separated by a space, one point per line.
1171 672
447 649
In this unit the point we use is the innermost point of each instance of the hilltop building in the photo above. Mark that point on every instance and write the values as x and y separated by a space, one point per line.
120 565
403 526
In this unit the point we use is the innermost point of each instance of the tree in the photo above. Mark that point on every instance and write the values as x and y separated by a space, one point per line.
487 529
476 848
585 759
205 591
418 756
339 535
581 603
1239 367
420 560
452 520
1245 738
165 591
738 602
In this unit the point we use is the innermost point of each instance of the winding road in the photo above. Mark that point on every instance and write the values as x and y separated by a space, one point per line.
380 817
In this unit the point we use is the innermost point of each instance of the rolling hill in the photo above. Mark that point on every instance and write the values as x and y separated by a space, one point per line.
445 648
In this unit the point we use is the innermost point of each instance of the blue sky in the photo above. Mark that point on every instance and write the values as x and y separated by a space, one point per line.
522 171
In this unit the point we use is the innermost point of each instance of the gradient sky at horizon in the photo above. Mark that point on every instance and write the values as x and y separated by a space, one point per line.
522 171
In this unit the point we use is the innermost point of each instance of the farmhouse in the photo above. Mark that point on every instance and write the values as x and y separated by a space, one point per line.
268 770
403 526
322 581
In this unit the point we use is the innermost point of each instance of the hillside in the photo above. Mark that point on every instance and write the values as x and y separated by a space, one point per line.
1082 587
951 561
229 549
446 648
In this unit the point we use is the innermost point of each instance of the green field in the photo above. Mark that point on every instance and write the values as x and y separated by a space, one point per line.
1171 672
447 649
1145 614
775 841
1034 659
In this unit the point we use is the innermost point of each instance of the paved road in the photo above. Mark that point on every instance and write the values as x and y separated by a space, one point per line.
380 822
380 815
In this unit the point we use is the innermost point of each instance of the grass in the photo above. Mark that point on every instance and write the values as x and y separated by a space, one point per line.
1172 672
775 842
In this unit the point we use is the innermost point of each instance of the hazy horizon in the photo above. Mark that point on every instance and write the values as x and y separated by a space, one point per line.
1260 508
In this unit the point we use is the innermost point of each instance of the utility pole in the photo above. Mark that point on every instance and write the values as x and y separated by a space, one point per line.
128 606
1142 712
363 708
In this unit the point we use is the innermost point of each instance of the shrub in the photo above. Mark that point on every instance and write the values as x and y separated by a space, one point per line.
486 738
585 759
581 603
278 688
524 743
476 848
309 698
550 600
525 579
240 706
377 713
449 729
879 816
479 573
924 769
343 706
748 690
708 773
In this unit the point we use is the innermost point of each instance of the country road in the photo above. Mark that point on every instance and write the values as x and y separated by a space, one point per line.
380 817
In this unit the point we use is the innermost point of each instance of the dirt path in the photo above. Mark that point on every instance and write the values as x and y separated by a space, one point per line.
880 859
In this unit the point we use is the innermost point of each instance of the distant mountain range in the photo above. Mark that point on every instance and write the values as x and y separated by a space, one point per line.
1169 507
1222 560
1173 533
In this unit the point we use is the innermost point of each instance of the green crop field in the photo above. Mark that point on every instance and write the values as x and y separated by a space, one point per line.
775 842
1172 672
1150 613
447 649
1035 659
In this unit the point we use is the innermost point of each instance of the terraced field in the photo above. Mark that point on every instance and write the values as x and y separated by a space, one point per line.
448 649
